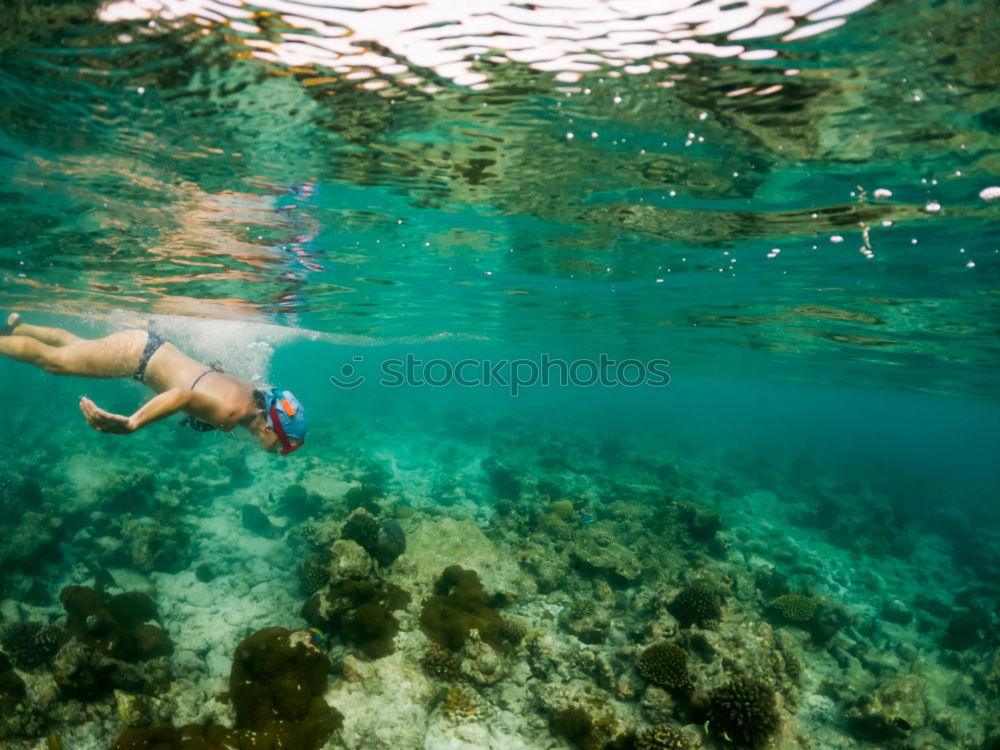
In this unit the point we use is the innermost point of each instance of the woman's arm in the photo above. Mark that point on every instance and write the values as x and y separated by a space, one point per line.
159 407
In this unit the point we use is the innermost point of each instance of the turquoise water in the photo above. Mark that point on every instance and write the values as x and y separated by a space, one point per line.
794 212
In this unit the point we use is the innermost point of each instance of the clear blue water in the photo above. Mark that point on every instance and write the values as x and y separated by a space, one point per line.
803 227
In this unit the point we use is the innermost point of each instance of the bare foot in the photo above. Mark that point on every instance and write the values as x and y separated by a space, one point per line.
13 320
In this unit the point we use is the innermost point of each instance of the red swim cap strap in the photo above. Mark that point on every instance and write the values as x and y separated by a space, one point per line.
286 445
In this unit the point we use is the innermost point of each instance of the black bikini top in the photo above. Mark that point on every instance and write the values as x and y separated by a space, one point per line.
193 422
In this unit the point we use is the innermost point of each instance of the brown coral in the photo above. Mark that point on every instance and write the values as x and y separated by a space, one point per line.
795 608
665 664
696 605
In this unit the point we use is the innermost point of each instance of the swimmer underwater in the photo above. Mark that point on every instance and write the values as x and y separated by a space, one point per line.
212 399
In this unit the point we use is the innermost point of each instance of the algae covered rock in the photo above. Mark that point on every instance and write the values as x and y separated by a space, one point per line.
610 560
586 621
276 686
459 605
390 544
12 688
348 560
383 540
116 626
360 612
894 709
663 737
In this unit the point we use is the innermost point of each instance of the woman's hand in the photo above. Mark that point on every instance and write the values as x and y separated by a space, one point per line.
104 421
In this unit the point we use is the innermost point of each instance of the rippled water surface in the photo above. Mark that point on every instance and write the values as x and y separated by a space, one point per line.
801 179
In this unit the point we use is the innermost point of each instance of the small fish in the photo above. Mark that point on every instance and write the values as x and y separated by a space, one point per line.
586 518
318 637
482 519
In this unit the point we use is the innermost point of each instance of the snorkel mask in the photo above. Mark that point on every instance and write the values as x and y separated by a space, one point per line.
285 415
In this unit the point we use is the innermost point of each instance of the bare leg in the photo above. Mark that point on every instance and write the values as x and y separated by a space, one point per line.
50 336
114 356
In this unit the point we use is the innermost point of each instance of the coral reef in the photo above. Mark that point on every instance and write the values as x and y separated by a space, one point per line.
440 662
30 645
794 608
697 604
663 737
360 612
363 528
892 711
117 626
460 604
745 711
457 705
277 684
513 630
665 664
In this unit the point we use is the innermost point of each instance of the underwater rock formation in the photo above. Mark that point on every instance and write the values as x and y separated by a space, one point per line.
156 546
744 710
459 605
117 626
663 737
256 522
276 686
894 709
383 540
360 612
83 673
607 559
298 503
584 620
390 543
12 690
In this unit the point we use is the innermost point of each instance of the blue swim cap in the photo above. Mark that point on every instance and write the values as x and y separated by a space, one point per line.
287 418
